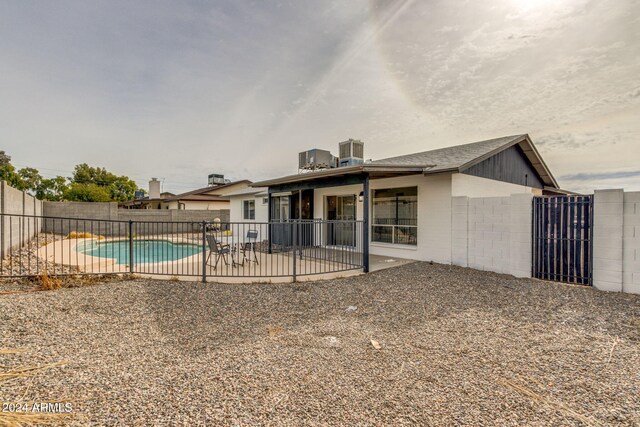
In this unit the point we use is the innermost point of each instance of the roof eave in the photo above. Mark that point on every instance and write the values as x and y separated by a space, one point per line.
347 170
207 189
552 179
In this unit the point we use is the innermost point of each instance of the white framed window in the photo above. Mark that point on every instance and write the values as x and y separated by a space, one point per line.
395 216
249 209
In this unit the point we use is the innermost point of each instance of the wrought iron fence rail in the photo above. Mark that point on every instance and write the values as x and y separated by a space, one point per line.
34 245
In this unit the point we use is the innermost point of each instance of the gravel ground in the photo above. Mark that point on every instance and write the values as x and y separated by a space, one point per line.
24 260
458 347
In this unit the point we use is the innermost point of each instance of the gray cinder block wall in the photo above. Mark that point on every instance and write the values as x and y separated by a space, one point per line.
460 231
520 235
616 241
17 230
108 220
607 239
493 233
631 243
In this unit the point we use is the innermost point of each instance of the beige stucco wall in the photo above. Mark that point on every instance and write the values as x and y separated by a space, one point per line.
262 209
434 215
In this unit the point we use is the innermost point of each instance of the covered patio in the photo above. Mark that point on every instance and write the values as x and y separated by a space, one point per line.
298 193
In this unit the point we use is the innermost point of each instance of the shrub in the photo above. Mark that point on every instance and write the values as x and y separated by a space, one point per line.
83 235
48 283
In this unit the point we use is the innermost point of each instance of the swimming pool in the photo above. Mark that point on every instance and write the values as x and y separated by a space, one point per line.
144 251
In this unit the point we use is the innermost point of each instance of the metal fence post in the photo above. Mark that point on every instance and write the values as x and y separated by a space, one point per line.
295 238
365 223
2 254
204 251
131 246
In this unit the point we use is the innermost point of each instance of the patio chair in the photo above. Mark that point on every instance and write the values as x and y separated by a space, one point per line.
220 250
250 246
215 225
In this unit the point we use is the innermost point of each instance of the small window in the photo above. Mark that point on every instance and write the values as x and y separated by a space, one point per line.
249 209
265 200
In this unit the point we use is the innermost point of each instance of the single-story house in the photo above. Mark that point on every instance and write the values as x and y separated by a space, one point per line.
213 197
146 202
405 202
208 198
249 205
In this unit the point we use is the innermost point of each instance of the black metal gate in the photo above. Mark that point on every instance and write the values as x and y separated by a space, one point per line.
562 239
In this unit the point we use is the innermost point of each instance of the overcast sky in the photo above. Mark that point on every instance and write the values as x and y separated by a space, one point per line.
178 90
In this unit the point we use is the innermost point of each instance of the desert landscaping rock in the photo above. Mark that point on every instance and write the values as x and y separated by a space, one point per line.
25 261
457 347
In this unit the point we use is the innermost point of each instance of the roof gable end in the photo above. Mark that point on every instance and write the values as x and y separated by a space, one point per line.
523 142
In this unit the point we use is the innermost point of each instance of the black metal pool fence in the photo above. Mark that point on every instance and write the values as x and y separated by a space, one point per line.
37 245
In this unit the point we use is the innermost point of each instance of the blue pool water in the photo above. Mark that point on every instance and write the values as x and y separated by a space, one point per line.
144 251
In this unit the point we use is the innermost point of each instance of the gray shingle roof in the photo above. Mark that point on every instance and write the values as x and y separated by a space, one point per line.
448 157
206 190
452 159
248 191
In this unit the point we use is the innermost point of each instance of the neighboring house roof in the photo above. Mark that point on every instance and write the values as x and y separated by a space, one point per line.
141 201
201 194
256 191
457 158
210 190
559 191
203 198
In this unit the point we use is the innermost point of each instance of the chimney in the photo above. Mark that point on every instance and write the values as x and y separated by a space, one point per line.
154 188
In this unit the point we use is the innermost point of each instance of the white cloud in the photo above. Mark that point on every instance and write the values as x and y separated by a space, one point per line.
179 90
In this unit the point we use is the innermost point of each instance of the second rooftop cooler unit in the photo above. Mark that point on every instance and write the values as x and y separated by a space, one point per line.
351 153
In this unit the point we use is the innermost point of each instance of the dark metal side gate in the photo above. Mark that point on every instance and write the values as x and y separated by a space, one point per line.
562 239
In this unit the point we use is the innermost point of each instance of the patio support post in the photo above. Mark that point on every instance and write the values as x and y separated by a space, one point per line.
269 219
365 224
300 220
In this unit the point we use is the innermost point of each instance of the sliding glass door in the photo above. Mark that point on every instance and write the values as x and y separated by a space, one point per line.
341 208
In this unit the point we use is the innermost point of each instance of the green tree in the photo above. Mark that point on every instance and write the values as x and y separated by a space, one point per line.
8 173
52 189
120 188
87 192
31 179
88 184
4 158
